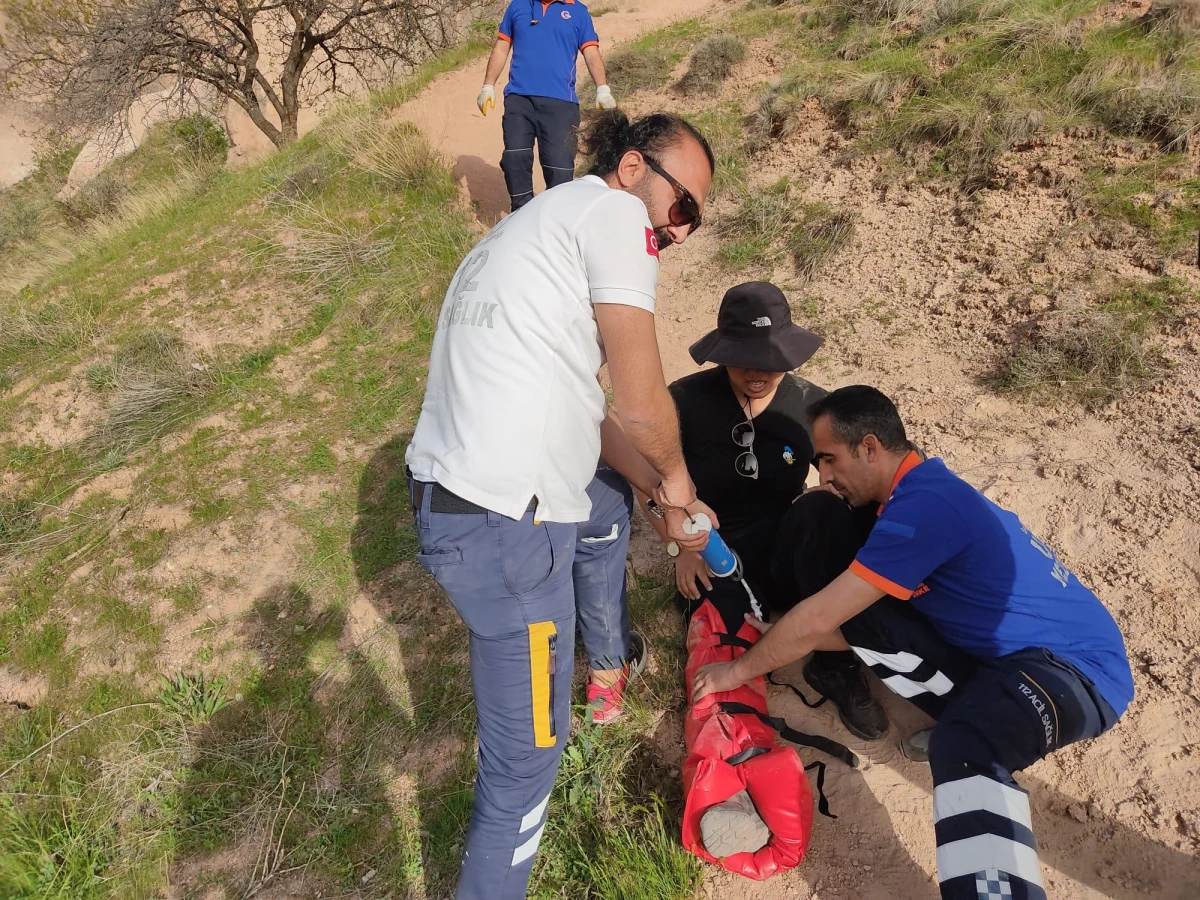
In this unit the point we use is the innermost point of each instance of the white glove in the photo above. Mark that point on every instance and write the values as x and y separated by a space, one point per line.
486 99
604 97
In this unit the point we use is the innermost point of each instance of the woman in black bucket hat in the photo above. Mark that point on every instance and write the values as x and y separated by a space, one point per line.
755 331
744 426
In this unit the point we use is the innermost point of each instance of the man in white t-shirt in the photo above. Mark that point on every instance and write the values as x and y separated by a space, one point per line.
512 519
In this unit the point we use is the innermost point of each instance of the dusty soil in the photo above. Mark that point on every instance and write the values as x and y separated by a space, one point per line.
922 303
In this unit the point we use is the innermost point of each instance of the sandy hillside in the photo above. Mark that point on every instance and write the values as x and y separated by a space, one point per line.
922 303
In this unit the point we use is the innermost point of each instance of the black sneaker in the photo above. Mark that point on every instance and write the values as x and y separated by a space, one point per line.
846 686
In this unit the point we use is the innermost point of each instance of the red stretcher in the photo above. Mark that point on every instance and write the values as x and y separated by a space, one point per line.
730 741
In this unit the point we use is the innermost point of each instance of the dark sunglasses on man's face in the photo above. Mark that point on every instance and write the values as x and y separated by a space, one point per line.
685 210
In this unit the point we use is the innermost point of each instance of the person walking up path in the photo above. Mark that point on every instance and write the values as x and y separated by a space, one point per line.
540 103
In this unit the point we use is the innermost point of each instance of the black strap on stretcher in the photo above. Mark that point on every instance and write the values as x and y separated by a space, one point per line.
788 733
795 690
732 640
785 731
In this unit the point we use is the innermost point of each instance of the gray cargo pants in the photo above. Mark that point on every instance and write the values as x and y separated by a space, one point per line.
517 585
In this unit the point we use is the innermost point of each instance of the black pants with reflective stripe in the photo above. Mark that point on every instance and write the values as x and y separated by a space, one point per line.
552 123
994 717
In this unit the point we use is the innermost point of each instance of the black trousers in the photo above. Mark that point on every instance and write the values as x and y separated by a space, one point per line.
994 717
813 544
552 123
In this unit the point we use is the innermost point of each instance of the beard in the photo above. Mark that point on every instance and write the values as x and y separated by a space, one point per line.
643 192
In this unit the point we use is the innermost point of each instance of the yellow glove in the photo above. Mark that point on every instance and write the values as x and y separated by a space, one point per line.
604 97
486 99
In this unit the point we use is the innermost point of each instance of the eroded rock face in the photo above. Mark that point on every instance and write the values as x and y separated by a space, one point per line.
122 138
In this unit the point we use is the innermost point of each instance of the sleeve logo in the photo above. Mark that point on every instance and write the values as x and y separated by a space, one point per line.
651 243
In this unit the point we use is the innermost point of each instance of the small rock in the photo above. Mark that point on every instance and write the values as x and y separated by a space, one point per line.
1078 812
366 879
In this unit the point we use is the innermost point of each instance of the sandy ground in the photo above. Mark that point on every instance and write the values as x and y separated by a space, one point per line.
922 303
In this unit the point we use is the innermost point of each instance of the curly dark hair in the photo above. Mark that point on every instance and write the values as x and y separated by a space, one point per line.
608 135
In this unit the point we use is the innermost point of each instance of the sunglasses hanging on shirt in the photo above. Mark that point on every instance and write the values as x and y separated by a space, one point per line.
746 464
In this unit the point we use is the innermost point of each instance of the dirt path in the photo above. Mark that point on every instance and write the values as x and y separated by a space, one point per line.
472 143
921 303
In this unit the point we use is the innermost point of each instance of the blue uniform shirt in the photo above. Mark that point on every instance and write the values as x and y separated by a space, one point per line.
543 57
984 581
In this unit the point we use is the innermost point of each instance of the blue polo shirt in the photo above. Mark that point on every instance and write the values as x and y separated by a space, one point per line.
984 581
543 55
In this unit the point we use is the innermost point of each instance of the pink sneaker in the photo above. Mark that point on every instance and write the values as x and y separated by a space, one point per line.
607 703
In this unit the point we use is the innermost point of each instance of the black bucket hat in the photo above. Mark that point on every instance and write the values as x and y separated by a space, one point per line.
755 331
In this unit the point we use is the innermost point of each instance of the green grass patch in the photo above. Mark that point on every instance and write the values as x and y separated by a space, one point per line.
1097 354
969 80
722 125
821 232
753 231
711 62
646 63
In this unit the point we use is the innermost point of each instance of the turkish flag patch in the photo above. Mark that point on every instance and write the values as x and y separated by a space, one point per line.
651 243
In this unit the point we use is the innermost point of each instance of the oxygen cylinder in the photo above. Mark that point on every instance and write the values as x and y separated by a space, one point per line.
717 555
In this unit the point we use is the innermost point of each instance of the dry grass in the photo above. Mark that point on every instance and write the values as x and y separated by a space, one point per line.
58 246
156 384
59 324
712 62
822 232
392 150
324 249
979 128
873 12
1133 97
1086 355
1176 18
637 68
761 222
780 109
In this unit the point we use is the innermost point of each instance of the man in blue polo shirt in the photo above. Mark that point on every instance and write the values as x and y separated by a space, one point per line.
540 102
957 607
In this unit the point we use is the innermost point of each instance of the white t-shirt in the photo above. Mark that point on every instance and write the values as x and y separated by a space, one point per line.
512 409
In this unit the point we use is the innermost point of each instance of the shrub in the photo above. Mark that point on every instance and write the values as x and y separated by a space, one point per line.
1092 356
822 232
327 250
392 150
201 139
712 62
638 68
779 110
156 384
763 219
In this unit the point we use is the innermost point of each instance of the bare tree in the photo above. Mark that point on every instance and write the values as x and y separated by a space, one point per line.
86 61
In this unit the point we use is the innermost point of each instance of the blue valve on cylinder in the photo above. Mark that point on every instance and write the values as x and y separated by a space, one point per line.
717 555
720 558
